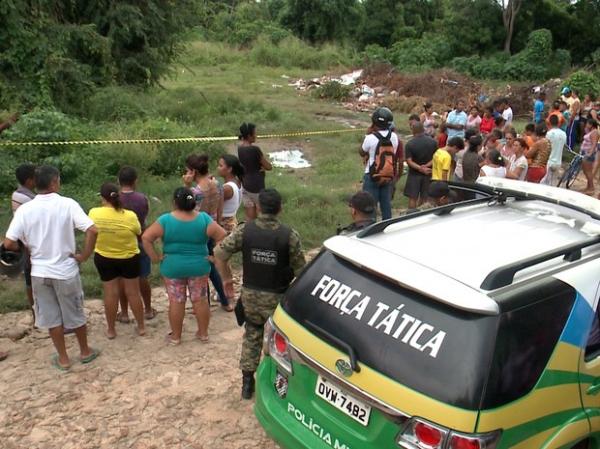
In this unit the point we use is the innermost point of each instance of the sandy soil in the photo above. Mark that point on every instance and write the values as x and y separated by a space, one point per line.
138 394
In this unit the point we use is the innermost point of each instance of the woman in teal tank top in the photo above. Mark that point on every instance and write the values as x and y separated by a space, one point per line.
184 263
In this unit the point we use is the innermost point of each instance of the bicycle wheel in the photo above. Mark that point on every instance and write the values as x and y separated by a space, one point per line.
574 171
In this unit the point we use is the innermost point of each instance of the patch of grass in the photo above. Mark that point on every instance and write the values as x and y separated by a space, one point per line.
216 90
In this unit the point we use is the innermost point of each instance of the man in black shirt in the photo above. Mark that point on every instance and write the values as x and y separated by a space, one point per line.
419 154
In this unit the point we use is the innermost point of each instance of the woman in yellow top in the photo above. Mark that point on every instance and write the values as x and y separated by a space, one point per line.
117 256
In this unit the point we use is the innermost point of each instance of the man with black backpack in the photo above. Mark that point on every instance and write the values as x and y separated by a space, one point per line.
379 152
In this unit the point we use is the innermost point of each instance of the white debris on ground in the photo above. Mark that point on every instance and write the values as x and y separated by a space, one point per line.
293 158
363 96
347 79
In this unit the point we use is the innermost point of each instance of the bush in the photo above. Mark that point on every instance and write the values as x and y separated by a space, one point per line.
292 52
536 62
8 164
333 90
420 54
112 104
562 61
42 126
375 54
584 82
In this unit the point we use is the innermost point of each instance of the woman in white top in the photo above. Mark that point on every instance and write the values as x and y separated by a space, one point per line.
493 166
518 162
428 119
231 170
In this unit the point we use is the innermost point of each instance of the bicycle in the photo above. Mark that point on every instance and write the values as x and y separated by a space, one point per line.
572 171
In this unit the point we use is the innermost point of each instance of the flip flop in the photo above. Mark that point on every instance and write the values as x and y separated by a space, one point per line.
90 358
202 338
227 308
57 365
170 341
151 314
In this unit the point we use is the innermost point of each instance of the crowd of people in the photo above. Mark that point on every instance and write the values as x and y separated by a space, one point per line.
200 234
464 147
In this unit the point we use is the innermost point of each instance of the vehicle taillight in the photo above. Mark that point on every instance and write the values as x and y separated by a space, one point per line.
280 343
479 441
420 434
277 346
427 435
458 442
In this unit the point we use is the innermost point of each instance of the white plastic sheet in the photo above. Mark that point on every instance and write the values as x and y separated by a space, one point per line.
289 159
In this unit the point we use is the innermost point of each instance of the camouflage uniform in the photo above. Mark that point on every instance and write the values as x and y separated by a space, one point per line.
258 305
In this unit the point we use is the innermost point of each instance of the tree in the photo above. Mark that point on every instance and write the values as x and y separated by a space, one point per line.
320 21
471 26
54 53
510 11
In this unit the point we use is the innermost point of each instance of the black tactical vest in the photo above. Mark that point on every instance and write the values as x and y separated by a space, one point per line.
267 258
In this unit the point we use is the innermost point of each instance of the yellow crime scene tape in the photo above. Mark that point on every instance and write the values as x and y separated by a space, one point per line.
175 140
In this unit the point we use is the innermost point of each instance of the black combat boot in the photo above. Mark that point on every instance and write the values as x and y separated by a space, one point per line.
247 384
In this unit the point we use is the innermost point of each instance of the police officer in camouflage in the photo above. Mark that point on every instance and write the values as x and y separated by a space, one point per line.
362 209
272 256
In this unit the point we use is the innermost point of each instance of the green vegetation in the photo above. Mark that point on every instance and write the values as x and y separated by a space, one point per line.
114 70
204 99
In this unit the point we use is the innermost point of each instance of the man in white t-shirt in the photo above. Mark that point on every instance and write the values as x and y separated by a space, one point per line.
382 121
558 140
45 226
507 112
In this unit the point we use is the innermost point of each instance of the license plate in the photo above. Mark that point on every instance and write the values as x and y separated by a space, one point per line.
355 409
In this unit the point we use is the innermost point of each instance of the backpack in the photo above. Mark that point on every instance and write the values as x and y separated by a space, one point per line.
383 169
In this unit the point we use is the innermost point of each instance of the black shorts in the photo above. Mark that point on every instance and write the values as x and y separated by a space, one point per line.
416 186
110 269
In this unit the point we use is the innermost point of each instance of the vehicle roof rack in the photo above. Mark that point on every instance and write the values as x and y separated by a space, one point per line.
503 276
493 193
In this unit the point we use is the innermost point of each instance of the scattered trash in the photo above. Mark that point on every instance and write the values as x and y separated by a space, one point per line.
347 79
350 78
285 77
276 86
383 84
292 158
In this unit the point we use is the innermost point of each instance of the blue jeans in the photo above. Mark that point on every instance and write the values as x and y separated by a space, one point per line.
382 195
572 130
215 277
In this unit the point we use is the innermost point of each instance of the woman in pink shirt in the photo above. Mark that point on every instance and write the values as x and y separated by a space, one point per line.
474 120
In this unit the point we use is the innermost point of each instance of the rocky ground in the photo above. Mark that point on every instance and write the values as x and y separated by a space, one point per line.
138 394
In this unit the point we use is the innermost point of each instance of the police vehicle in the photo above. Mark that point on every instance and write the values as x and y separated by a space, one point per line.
468 326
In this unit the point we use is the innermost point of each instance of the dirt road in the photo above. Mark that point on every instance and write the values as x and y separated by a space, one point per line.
138 394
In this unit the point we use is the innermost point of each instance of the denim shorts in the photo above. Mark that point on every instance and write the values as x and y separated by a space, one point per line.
590 157
145 264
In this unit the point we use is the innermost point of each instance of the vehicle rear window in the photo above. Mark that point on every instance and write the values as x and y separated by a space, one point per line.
464 359
435 349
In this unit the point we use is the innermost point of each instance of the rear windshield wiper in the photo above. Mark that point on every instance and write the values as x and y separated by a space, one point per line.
340 343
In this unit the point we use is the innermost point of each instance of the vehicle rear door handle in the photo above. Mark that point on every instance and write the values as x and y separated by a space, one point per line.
594 389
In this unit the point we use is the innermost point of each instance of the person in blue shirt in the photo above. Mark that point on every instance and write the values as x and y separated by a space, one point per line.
457 121
538 108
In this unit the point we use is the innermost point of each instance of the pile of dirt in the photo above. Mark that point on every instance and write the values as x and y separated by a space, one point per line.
444 87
